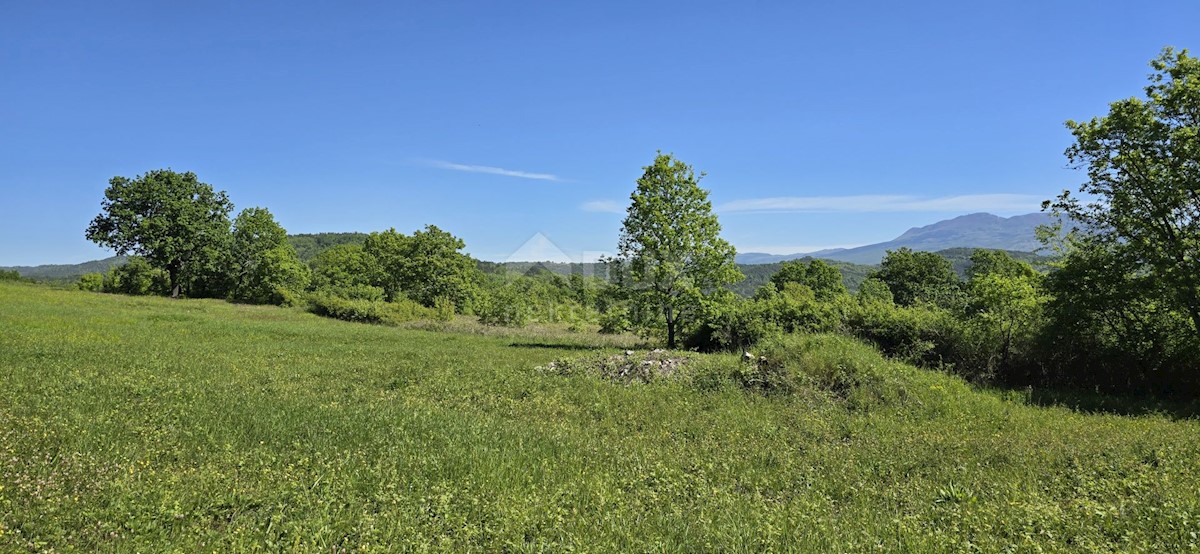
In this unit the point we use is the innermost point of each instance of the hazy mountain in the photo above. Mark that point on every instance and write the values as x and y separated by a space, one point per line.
65 272
981 230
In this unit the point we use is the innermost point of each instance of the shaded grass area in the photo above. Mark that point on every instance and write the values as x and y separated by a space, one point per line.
144 424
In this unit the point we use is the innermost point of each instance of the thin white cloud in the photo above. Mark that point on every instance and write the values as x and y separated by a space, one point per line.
784 250
870 203
603 206
491 170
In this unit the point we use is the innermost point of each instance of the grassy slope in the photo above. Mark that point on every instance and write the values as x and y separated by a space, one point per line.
145 424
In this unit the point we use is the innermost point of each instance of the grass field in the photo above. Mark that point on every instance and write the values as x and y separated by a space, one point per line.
144 424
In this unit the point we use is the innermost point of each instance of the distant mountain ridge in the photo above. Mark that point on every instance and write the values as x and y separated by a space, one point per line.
978 230
66 272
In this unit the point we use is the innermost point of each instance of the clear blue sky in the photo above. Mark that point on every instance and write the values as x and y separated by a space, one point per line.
500 120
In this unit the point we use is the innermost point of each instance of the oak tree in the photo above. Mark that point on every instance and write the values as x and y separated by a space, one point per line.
173 220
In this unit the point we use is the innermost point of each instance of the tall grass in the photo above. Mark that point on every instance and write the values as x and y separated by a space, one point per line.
144 424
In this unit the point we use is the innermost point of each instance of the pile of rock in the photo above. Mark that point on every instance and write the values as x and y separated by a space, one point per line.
627 367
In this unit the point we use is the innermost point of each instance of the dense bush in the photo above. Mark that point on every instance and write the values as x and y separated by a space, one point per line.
1106 328
353 292
135 277
840 365
91 282
504 306
731 323
367 311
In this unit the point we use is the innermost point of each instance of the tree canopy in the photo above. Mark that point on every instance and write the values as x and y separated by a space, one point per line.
173 220
1141 199
423 267
670 253
824 279
264 264
917 276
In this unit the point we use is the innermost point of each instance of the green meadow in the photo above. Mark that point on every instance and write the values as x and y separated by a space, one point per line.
143 424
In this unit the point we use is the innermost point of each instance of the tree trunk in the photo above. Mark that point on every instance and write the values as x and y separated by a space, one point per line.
1194 312
173 274
670 327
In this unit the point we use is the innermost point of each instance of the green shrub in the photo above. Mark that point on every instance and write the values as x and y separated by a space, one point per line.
91 282
353 292
443 308
367 311
922 334
505 307
138 278
840 365
614 321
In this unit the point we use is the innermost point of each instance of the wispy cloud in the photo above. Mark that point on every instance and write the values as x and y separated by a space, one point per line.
795 249
869 203
603 206
440 164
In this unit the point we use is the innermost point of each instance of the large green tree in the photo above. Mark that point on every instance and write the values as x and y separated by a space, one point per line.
265 267
670 255
824 280
173 220
918 277
423 267
1141 199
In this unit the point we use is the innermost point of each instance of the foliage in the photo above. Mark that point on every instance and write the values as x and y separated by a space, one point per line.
1005 313
265 268
1141 201
310 245
346 265
923 334
824 280
670 253
875 291
353 292
758 275
367 311
173 220
91 282
136 277
506 306
615 320
918 277
424 267
1109 328
443 308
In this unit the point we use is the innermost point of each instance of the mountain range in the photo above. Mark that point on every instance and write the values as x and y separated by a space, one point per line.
978 230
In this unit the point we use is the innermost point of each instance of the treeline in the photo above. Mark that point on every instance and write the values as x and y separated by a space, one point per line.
1005 322
181 242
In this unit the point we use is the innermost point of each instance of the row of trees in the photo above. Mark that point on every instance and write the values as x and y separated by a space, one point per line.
182 243
179 231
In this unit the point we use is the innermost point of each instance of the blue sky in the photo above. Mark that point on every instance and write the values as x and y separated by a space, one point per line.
818 124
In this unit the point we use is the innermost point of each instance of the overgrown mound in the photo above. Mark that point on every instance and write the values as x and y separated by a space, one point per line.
836 367
625 368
